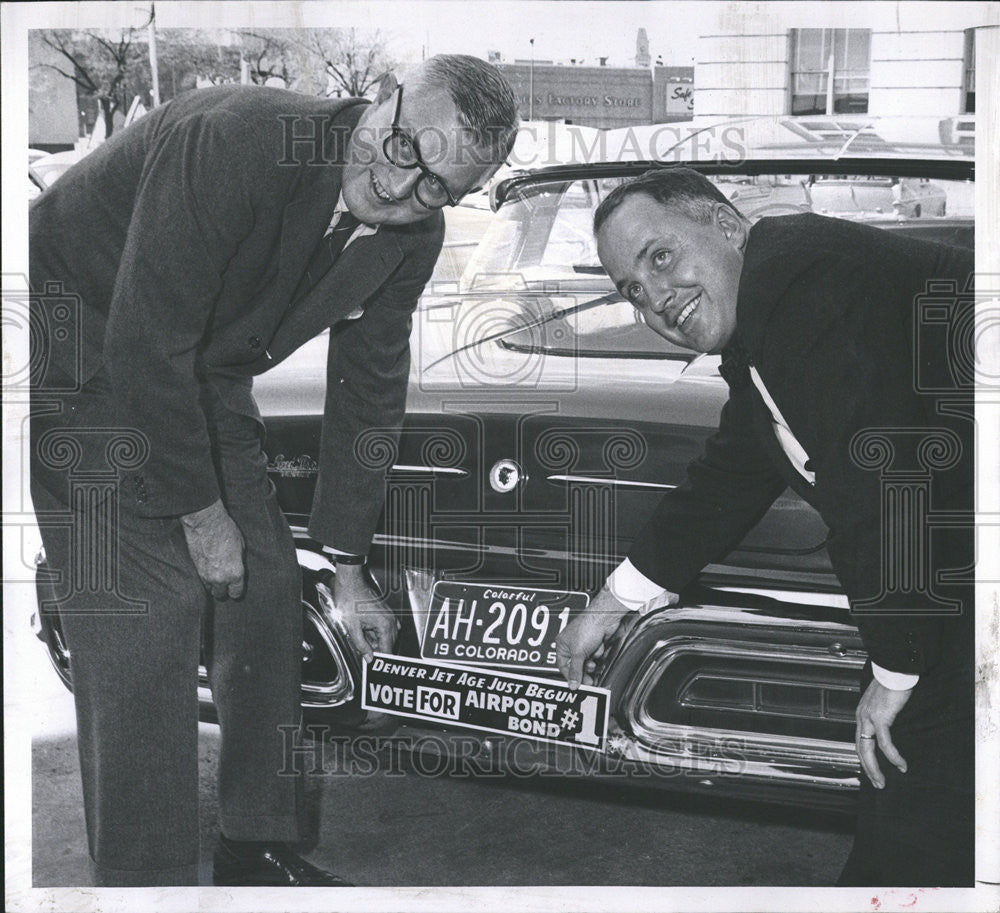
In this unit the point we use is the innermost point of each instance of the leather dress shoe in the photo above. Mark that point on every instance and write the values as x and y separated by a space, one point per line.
237 863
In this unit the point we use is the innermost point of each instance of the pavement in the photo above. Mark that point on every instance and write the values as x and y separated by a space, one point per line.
398 826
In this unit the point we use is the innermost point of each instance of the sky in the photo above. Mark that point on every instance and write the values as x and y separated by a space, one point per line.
562 30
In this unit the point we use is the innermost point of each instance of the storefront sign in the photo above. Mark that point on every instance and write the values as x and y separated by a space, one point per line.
680 96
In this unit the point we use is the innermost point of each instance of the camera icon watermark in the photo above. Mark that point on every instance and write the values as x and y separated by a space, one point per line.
52 320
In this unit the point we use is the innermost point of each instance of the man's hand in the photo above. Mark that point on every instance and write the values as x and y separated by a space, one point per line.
583 641
876 712
216 547
369 621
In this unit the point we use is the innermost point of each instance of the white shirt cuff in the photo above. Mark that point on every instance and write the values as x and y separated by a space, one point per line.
894 681
636 591
330 550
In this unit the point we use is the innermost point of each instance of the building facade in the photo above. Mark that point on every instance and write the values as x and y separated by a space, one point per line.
881 59
54 116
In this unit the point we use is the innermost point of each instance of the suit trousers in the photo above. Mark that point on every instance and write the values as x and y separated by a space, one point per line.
919 830
135 644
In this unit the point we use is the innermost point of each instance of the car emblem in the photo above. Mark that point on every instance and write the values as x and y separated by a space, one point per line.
505 475
300 467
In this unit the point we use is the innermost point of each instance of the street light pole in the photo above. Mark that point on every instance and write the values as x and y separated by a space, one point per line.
531 82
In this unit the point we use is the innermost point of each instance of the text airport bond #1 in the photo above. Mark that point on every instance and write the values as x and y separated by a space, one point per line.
542 709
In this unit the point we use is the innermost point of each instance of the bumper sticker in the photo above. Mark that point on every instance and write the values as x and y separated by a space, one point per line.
541 709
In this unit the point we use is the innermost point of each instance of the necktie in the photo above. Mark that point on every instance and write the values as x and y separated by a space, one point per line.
327 251
340 234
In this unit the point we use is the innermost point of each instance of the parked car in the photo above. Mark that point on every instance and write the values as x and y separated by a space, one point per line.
960 130
35 183
46 167
874 196
543 423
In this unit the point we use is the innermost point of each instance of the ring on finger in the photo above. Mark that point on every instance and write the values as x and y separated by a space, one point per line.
866 737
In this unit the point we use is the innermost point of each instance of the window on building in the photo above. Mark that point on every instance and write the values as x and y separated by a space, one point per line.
969 82
830 71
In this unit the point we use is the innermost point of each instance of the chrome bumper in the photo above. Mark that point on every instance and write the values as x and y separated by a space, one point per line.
787 680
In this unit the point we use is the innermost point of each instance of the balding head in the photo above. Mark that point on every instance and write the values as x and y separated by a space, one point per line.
486 104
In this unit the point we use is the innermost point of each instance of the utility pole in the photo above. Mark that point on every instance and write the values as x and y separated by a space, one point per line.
155 91
531 82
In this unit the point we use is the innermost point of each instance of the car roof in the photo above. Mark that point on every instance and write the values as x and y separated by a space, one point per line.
846 145
791 137
954 170
760 138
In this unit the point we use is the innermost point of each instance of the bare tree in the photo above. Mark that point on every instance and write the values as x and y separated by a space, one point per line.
353 61
269 54
110 67
187 55
327 61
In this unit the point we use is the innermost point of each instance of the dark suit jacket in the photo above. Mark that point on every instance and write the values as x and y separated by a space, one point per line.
826 312
183 239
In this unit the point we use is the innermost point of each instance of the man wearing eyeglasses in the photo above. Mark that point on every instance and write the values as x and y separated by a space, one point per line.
201 247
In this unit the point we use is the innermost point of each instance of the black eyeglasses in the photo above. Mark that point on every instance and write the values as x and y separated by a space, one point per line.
402 151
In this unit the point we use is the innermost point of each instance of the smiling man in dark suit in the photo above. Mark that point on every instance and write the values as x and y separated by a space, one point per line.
815 320
200 247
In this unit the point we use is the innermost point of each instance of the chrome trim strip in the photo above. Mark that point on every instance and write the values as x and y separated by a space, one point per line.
419 586
381 539
433 470
437 301
58 654
829 766
341 689
650 625
716 614
795 597
429 543
698 359
618 483
484 519
819 581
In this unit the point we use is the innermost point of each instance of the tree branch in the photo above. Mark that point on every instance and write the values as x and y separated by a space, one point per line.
58 46
52 66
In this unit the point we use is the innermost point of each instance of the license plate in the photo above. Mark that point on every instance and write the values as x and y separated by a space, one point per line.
491 625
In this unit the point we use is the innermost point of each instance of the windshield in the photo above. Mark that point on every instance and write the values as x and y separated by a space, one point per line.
542 236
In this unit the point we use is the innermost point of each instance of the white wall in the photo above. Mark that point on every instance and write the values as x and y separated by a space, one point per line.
917 72
742 56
